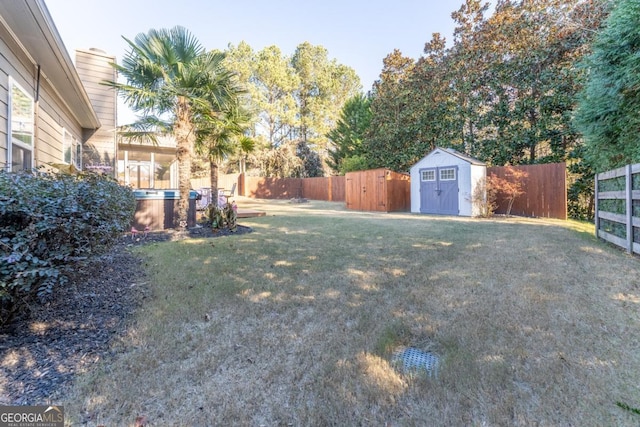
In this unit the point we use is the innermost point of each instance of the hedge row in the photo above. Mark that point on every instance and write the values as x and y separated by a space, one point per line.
48 224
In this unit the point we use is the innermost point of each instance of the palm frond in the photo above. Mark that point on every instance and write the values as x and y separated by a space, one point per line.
247 144
185 45
163 65
145 130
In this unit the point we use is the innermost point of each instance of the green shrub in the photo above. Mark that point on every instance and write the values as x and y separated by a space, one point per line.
222 217
353 164
49 223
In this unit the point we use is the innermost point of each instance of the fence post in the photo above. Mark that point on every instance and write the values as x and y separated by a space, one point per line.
629 196
241 191
596 204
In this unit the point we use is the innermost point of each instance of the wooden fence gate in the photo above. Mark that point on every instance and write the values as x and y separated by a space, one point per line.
378 190
363 190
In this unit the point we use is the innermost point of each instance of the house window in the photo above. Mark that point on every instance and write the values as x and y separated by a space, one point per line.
21 107
67 145
447 174
77 158
429 175
71 150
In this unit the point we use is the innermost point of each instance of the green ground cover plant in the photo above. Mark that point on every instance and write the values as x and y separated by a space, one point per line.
48 224
535 323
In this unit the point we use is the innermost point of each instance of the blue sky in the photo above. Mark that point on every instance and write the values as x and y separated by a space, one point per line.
358 34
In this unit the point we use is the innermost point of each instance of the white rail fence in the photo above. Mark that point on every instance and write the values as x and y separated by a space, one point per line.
617 197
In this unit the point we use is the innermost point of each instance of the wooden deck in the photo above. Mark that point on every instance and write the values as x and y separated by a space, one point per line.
249 213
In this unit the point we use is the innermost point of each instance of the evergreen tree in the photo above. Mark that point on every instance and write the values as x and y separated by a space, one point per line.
385 144
609 106
349 132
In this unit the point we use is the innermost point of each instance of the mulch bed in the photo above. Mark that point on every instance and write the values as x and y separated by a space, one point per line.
41 352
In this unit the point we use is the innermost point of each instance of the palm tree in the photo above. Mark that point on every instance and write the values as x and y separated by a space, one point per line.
177 87
223 137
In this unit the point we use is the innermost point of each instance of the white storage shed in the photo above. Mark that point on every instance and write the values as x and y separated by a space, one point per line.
443 182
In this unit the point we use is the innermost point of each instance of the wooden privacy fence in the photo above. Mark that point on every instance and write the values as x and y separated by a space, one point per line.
379 190
617 197
383 190
329 188
545 191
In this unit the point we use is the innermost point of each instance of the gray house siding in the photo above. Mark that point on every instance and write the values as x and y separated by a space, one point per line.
94 67
33 56
53 120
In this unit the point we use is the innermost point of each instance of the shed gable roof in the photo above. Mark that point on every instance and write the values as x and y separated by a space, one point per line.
463 156
451 151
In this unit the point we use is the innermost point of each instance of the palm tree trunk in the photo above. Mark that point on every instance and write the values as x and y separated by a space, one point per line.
213 172
185 139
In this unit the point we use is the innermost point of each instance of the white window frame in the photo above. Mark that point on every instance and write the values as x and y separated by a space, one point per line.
444 174
28 128
71 149
423 175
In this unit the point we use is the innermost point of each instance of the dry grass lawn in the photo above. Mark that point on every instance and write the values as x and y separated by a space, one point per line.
535 323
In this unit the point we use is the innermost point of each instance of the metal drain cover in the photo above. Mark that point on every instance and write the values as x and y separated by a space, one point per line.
412 360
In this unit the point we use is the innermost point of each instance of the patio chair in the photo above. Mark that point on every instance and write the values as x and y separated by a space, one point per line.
228 193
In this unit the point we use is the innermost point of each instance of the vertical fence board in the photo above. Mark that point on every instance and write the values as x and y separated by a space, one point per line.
373 191
315 188
321 188
352 191
337 189
596 204
629 202
272 188
398 192
545 191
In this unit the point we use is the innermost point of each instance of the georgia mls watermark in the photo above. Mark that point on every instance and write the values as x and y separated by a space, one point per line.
31 416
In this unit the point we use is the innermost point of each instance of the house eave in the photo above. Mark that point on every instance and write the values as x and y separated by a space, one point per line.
33 30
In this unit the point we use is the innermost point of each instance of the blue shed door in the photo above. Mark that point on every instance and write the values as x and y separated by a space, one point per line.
439 190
